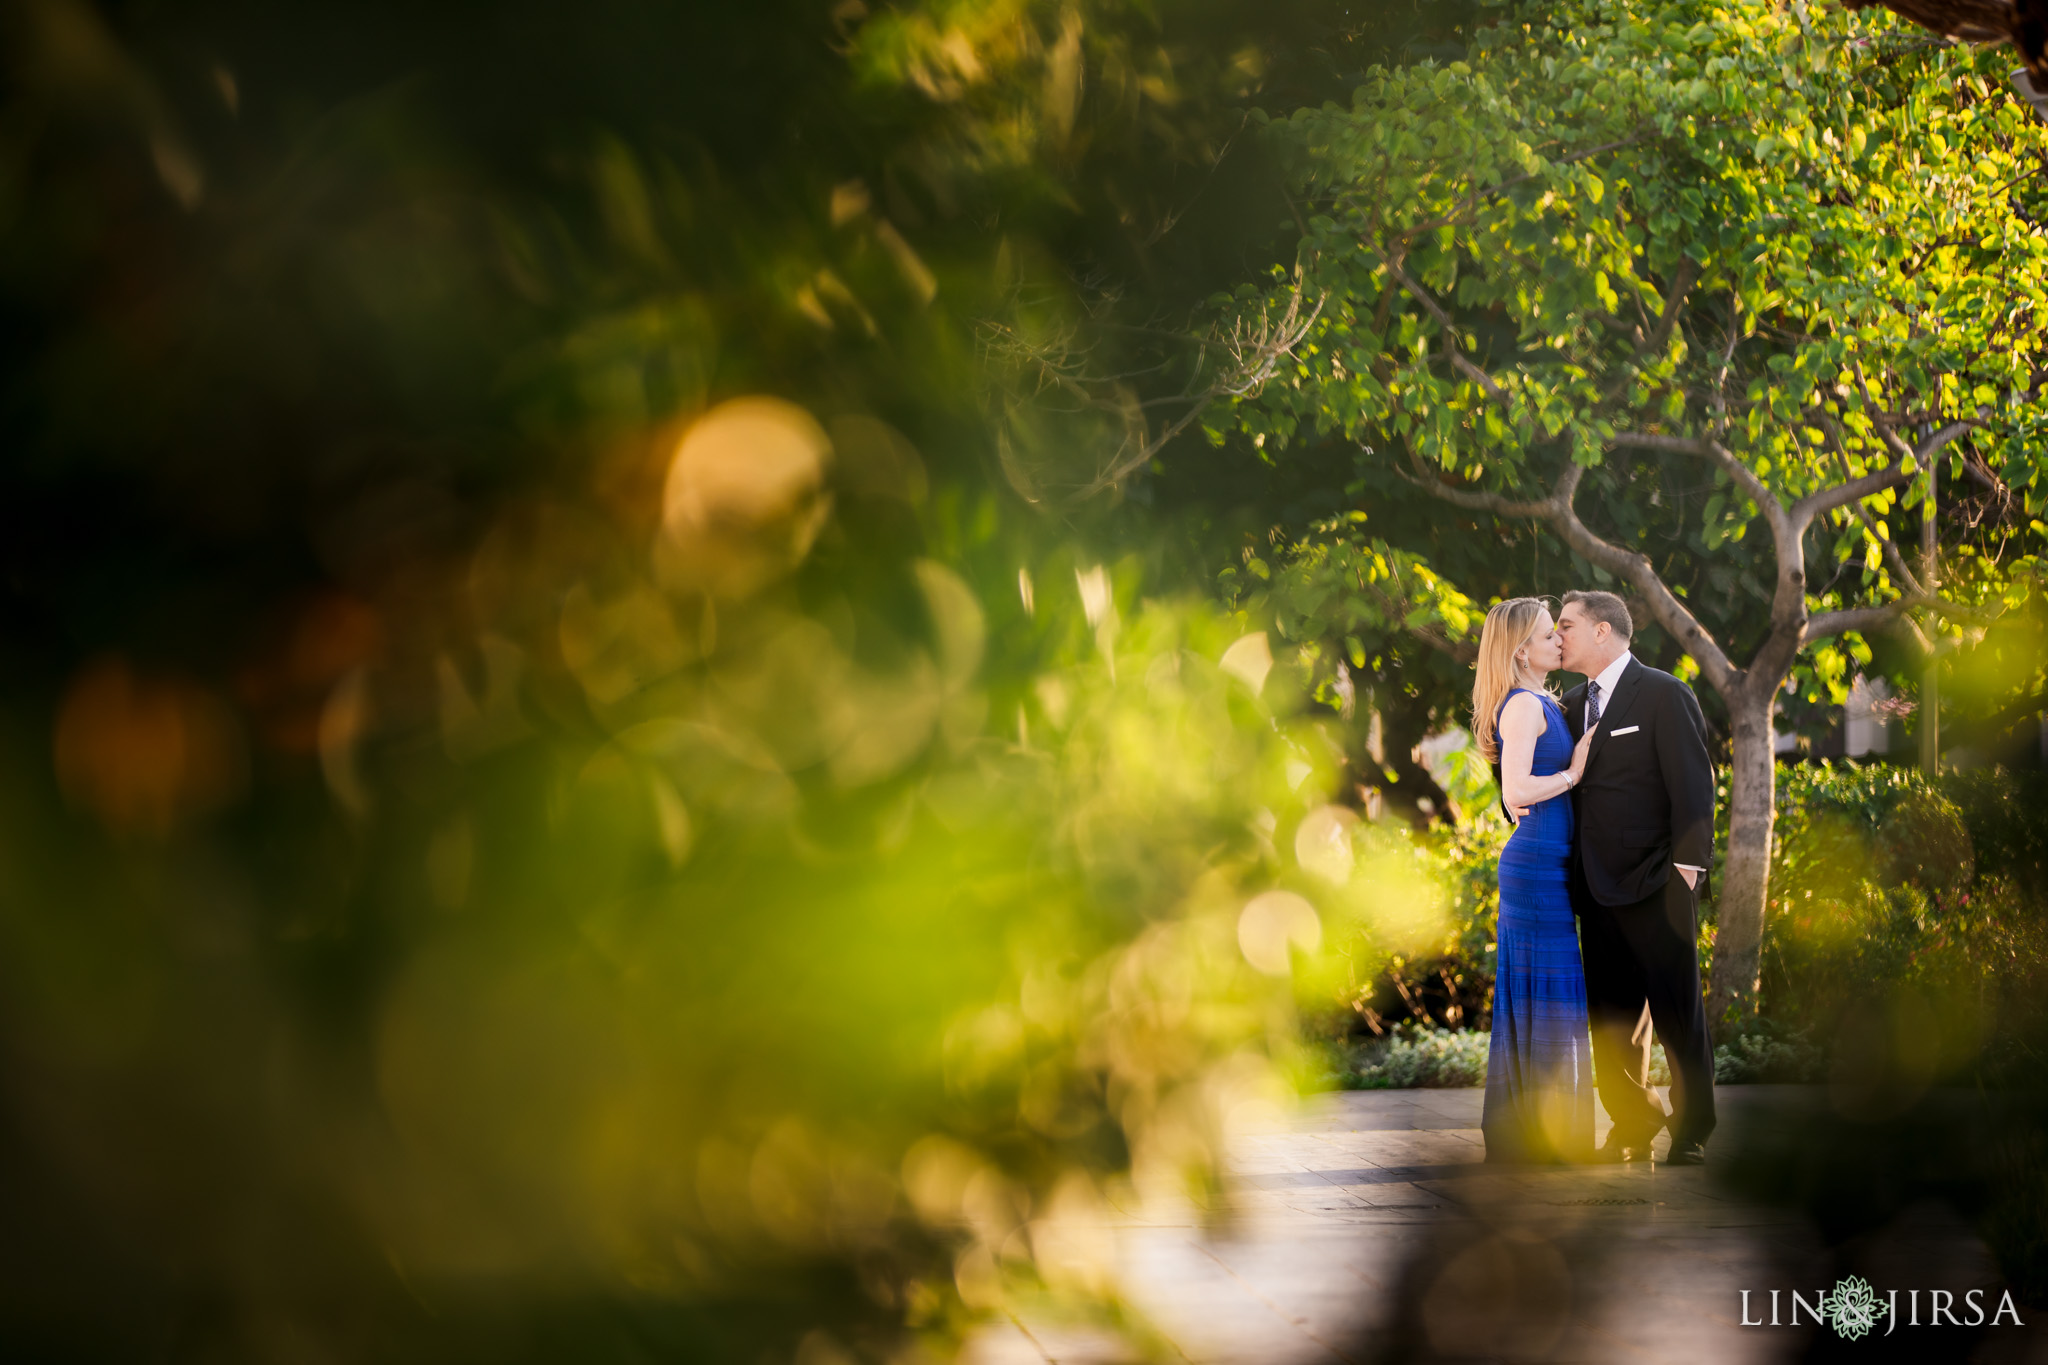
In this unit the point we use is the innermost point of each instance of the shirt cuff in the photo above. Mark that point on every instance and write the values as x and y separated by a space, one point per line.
1688 867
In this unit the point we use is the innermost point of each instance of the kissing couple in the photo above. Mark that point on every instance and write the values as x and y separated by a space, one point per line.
1611 791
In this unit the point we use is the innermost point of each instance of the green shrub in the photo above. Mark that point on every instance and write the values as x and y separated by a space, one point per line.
2007 816
1922 902
1768 1056
1447 982
1883 909
1413 1057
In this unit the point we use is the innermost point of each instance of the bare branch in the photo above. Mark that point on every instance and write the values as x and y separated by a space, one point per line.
1256 350
1160 333
1167 223
1226 364
1980 472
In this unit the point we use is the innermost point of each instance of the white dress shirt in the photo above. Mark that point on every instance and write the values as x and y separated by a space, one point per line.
1609 679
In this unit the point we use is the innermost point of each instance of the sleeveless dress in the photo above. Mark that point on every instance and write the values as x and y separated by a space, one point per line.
1539 1065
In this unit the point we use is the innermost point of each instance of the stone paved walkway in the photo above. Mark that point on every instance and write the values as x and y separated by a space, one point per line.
1369 1202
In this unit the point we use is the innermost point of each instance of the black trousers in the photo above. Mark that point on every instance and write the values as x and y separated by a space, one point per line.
1642 970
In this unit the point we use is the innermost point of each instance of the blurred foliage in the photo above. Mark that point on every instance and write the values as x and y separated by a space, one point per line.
1992 696
1920 903
558 807
1441 979
1379 634
1906 969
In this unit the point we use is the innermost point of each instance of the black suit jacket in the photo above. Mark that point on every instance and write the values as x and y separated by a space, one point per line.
1646 799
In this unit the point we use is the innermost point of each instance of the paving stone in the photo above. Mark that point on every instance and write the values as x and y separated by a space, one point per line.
1367 1226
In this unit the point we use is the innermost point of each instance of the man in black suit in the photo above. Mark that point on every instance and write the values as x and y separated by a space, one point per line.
1645 809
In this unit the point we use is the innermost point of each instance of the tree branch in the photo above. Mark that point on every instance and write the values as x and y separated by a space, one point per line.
1682 281
1980 471
1458 650
1766 501
1255 352
1436 310
1720 398
1636 569
1855 490
1860 620
1933 444
1788 599
1432 483
1893 558
1891 614
1895 561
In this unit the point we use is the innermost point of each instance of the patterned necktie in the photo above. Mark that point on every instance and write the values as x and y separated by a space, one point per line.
1592 704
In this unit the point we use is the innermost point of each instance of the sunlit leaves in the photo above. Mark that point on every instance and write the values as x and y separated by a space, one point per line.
1847 202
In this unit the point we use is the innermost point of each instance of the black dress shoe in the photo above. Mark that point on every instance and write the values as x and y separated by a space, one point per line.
1624 1145
1620 1147
1686 1154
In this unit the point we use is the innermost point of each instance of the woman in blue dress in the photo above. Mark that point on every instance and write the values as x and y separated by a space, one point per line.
1539 1067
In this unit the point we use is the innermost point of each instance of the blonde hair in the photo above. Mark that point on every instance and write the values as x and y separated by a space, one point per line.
1509 626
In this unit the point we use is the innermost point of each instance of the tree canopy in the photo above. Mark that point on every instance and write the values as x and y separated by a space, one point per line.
1698 288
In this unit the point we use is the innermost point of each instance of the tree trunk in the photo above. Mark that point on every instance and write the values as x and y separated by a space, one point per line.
1930 679
1746 871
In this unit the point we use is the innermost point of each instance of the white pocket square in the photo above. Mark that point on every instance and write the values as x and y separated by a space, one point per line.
1625 730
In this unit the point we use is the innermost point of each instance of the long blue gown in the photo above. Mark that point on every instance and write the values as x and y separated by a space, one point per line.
1539 1066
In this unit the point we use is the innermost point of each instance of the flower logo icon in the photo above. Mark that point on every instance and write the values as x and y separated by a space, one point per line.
1852 1308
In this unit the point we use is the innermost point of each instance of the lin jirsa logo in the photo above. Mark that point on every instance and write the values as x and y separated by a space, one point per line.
1853 1308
